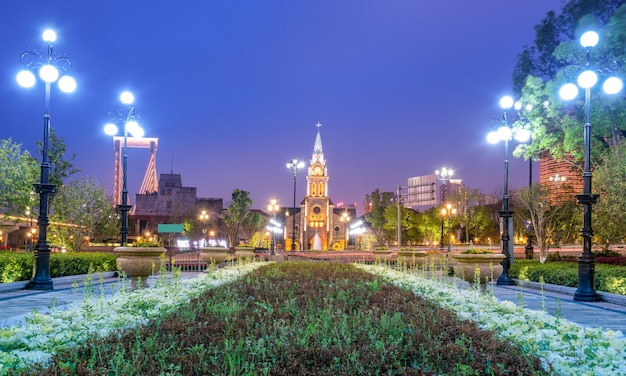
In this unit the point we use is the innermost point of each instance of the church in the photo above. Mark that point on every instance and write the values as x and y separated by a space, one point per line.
320 226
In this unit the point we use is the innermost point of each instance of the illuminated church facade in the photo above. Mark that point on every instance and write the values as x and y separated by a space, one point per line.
320 225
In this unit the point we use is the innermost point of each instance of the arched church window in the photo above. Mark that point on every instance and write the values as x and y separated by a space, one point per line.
313 189
321 188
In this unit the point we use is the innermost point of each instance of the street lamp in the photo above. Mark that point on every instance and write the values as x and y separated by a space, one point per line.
294 166
345 217
273 208
444 175
50 66
505 133
130 124
204 216
448 211
586 291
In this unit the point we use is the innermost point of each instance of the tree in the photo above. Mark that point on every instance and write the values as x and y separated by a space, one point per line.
430 225
60 168
610 211
252 224
391 222
236 214
82 209
544 216
377 202
18 172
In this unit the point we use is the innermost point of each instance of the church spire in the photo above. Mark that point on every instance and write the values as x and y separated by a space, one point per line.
318 153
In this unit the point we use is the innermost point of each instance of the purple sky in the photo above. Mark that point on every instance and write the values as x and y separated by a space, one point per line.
233 89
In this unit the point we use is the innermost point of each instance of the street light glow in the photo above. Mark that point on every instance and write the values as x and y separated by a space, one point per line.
127 97
568 91
506 102
26 79
49 73
612 85
67 84
589 39
587 79
49 36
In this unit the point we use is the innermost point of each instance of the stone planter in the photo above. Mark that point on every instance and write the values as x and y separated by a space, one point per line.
487 265
411 258
244 252
139 262
382 255
216 255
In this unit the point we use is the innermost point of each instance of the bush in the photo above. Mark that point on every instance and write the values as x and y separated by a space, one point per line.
18 266
608 278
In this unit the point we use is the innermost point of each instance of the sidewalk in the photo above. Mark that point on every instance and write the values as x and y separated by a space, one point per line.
16 302
610 314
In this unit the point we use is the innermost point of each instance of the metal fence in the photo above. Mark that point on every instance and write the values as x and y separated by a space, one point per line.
185 261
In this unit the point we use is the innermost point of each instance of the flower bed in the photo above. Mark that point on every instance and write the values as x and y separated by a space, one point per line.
565 348
314 318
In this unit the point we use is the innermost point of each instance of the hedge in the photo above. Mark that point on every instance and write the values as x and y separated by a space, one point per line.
608 278
18 266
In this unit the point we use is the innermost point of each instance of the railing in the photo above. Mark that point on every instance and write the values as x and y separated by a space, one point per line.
185 261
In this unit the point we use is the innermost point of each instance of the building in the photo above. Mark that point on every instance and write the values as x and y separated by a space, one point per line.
563 179
421 191
319 225
171 203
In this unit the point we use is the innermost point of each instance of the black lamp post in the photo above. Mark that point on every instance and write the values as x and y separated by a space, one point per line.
130 125
273 208
505 133
49 65
444 175
294 166
449 211
586 291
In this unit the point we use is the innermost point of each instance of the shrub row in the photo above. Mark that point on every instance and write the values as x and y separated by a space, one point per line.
18 266
609 278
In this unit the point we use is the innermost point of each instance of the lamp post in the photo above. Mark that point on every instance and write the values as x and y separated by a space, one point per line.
448 211
294 166
444 175
587 79
505 133
273 208
50 66
130 125
345 218
204 216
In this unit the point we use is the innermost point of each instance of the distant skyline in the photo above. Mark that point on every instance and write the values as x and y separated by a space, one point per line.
233 90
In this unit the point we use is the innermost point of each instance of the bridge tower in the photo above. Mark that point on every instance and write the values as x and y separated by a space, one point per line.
150 182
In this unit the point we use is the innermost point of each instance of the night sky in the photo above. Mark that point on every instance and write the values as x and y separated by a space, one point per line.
233 89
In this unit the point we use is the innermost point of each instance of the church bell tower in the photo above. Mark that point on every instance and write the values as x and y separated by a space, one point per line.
317 208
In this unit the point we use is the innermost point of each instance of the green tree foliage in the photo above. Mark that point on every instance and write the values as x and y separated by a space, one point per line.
377 202
61 168
538 59
546 216
610 212
18 172
82 209
236 214
252 224
430 225
391 222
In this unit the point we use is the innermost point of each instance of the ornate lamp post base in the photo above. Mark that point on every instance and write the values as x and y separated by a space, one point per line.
505 278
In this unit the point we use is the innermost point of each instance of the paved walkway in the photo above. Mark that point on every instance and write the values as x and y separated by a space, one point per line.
15 302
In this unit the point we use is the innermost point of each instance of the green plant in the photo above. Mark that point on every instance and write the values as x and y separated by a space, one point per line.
146 243
476 251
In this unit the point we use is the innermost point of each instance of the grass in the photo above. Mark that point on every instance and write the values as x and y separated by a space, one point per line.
301 319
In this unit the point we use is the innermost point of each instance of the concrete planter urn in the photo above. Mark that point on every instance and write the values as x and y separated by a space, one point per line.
216 255
485 264
411 258
244 252
139 262
382 255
